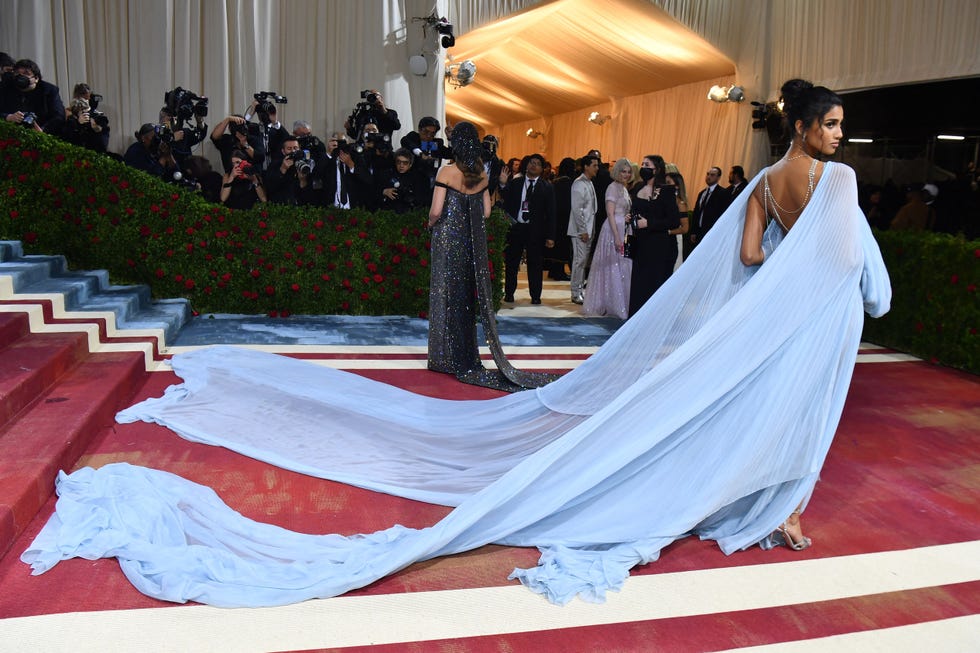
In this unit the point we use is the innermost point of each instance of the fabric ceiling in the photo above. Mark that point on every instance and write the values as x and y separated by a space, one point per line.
569 54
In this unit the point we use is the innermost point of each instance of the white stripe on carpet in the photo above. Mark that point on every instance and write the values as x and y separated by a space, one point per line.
956 635
421 616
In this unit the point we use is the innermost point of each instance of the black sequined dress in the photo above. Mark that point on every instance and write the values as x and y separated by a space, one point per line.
460 286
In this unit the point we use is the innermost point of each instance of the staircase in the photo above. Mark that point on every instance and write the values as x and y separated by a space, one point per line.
73 351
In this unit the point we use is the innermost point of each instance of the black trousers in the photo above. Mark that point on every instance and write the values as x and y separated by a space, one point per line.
521 239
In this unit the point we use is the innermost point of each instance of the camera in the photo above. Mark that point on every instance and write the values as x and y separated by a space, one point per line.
490 146
179 179
246 168
266 100
313 145
93 101
182 104
247 128
163 133
303 164
369 96
98 118
380 142
429 147
29 118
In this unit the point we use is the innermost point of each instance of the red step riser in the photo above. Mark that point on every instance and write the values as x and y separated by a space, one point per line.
32 364
13 326
57 430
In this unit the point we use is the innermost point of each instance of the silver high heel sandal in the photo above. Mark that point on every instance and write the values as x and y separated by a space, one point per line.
781 537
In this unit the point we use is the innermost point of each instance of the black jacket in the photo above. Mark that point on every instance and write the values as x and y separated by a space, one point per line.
44 101
541 207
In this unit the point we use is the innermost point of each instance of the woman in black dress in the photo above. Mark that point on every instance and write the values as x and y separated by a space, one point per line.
654 249
460 288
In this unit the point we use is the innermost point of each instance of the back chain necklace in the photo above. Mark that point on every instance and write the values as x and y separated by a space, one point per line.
806 198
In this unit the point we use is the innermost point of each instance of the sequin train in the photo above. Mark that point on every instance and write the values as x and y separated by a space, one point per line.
461 282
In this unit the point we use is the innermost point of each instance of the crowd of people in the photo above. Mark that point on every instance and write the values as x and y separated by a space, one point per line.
615 233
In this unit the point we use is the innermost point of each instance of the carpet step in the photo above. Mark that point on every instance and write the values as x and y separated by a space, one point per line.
13 326
56 430
32 364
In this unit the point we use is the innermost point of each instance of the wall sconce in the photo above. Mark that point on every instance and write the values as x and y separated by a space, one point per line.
596 119
726 94
533 133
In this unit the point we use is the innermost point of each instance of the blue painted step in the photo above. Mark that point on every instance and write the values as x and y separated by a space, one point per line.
90 290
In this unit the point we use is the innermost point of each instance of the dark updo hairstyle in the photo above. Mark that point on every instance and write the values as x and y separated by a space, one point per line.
660 171
467 153
804 101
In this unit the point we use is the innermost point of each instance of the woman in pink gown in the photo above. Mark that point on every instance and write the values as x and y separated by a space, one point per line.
608 290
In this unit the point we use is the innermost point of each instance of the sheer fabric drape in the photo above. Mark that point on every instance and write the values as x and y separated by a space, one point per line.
709 412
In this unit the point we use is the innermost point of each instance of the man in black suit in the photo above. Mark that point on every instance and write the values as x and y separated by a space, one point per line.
712 202
530 203
736 182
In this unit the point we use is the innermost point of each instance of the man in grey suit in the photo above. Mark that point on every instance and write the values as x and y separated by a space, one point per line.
581 221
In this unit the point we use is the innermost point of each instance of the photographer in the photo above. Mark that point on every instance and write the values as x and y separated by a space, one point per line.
372 109
184 138
243 137
373 165
29 101
493 165
428 150
404 188
84 126
197 171
291 182
271 131
242 184
149 154
337 173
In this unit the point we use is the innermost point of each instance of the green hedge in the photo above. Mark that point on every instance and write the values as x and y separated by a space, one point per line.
100 213
935 313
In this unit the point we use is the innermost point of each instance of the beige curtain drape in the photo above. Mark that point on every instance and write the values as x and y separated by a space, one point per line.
321 53
318 54
679 123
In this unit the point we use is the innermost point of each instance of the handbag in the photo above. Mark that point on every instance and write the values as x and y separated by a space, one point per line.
629 239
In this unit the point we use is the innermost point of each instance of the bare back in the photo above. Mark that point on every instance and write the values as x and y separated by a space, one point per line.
781 195
453 177
786 188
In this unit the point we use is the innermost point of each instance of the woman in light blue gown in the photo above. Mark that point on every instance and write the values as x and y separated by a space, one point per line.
750 344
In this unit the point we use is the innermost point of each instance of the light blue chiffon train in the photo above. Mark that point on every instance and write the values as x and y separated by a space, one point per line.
709 413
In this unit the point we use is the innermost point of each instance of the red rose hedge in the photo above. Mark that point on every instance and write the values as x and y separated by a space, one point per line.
275 260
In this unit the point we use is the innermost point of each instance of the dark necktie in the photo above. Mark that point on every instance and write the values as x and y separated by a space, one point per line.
530 188
704 203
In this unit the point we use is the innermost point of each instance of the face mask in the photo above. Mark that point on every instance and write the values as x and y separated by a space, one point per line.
22 82
646 174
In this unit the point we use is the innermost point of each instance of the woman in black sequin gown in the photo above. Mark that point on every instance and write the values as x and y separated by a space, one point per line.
460 274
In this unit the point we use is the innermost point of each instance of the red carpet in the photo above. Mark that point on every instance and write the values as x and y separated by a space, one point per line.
902 474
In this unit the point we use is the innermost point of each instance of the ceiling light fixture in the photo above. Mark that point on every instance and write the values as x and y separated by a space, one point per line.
461 74
532 132
860 140
726 93
950 137
596 119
